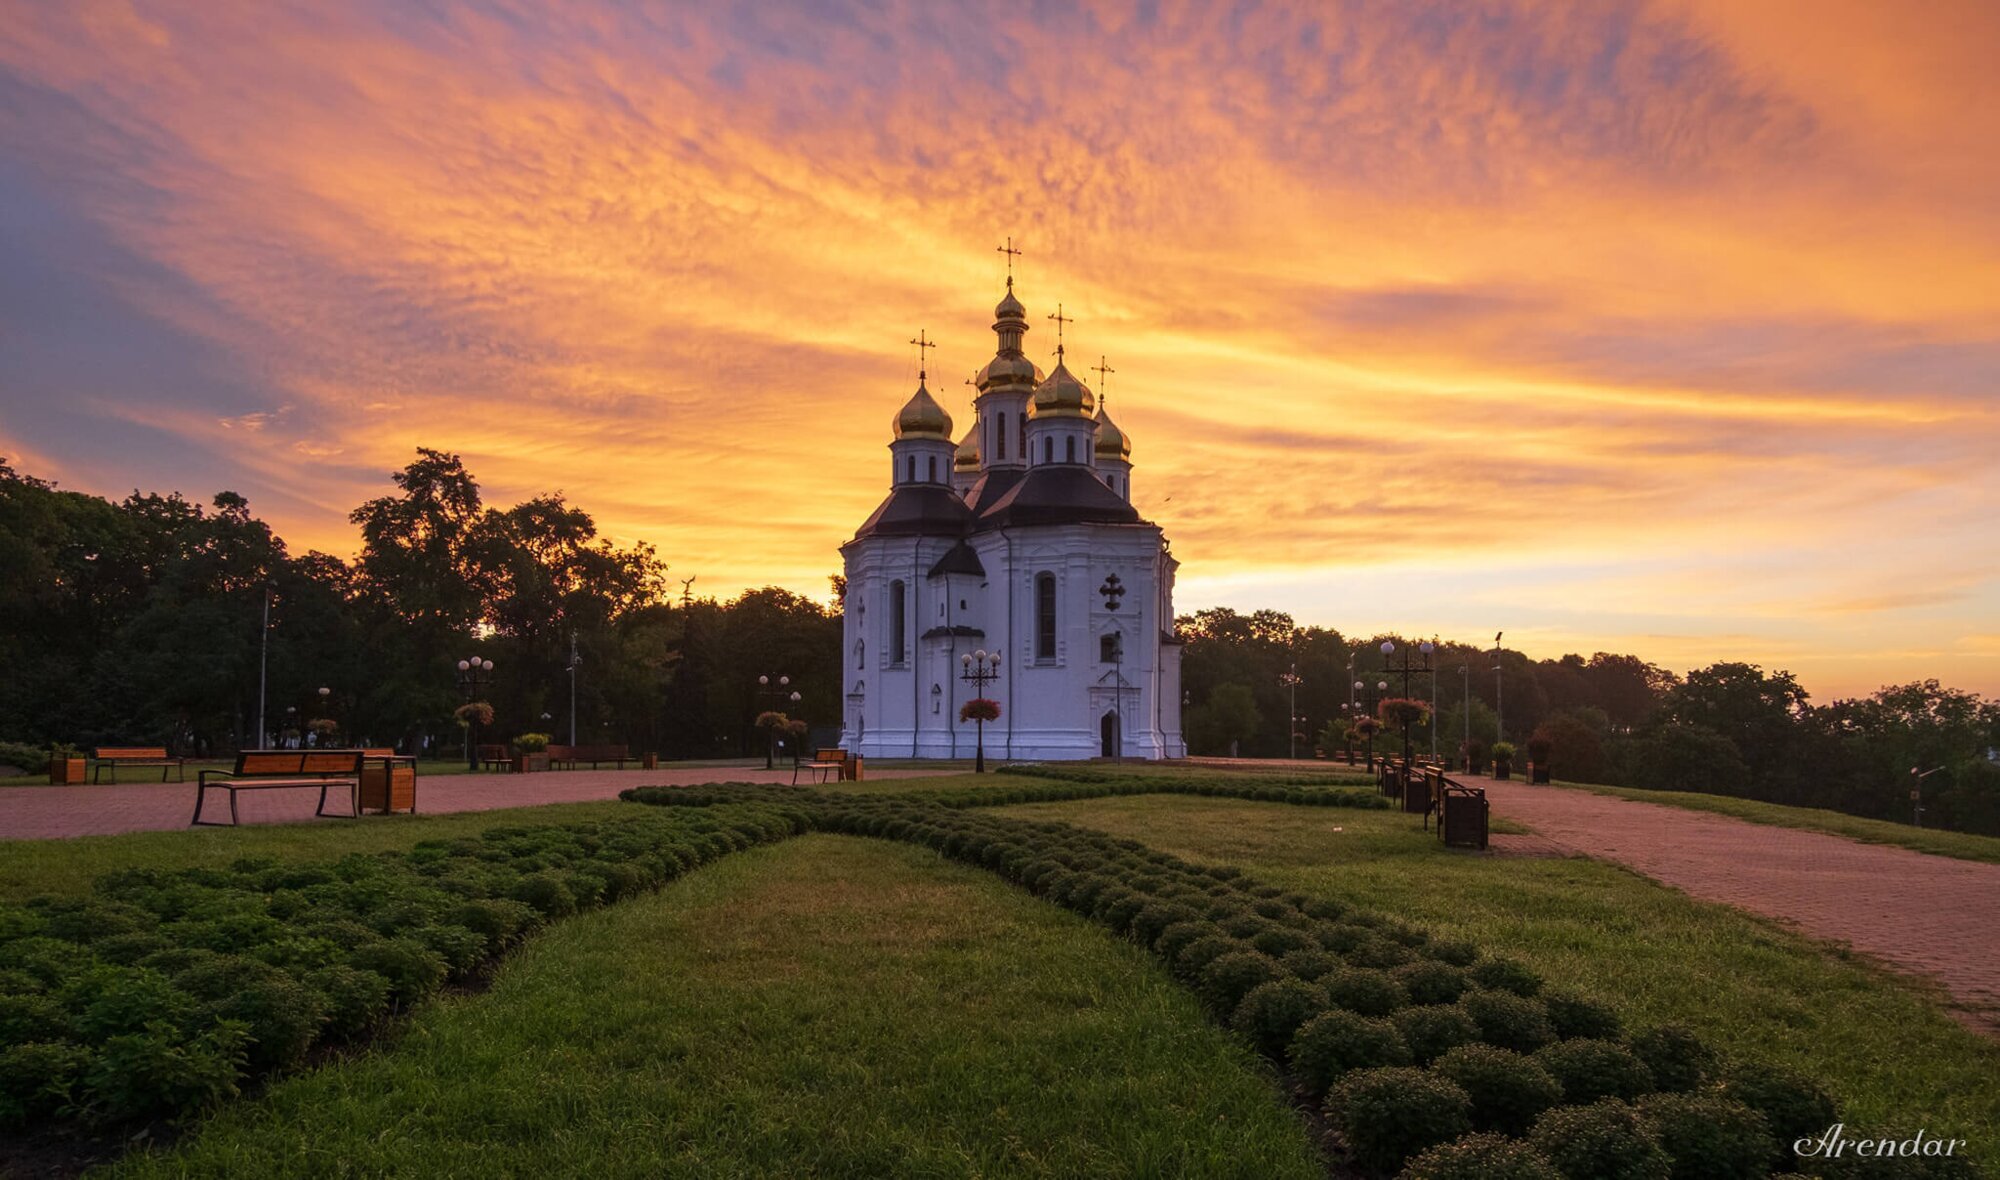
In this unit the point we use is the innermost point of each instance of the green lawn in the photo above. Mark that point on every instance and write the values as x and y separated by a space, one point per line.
827 1007
1881 1042
1936 841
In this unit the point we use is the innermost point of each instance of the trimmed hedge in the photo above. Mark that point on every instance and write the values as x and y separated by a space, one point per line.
162 992
1371 999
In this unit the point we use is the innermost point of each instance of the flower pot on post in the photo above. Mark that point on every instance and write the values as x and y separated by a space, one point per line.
1540 748
1503 760
531 752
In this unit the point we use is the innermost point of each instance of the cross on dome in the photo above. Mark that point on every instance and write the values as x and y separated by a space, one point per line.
922 343
1060 320
1011 254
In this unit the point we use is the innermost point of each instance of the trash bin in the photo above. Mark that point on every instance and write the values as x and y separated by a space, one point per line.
1462 818
851 768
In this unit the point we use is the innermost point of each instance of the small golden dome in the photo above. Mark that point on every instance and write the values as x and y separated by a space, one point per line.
1062 396
922 417
968 452
1010 308
1007 370
1111 441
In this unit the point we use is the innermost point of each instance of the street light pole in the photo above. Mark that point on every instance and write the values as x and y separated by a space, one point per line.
1917 778
764 689
1291 682
979 670
575 661
263 664
1499 701
1465 670
472 673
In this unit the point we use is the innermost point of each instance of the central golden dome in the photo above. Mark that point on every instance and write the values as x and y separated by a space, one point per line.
1062 396
923 417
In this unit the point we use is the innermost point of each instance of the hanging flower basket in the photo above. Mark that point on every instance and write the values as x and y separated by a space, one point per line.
979 709
476 713
1402 712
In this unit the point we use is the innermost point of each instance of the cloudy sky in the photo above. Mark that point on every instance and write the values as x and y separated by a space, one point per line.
1669 328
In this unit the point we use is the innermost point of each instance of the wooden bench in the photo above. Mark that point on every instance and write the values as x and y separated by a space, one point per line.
117 756
569 756
826 763
388 781
501 756
263 770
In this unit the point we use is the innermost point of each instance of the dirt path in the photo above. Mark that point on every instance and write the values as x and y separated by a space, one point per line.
33 813
1930 915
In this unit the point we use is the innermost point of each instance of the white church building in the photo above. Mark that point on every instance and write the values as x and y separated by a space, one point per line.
1018 540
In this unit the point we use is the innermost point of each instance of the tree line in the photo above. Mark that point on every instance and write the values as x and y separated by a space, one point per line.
1729 728
141 621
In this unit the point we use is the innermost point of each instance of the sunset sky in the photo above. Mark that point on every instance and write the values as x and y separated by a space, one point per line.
1672 329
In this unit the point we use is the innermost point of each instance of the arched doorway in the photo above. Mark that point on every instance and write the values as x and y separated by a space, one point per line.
1107 732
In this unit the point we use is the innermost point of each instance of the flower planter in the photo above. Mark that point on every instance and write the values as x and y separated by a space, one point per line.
1538 772
1503 770
531 763
650 762
64 771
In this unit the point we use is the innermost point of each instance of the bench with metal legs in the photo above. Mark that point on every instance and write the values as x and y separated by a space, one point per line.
261 770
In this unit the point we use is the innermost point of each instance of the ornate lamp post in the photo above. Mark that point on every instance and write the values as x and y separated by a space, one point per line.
325 704
781 693
1291 681
473 675
979 669
1425 649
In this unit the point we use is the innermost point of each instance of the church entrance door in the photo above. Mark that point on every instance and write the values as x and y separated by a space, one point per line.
1108 732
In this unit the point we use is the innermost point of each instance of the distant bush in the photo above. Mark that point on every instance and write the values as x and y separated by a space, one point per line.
1507 975
1434 1029
1227 979
1387 1115
1793 1105
1271 1013
1710 1138
1571 1016
1332 1044
1509 1021
1431 981
1508 1091
1602 1141
1588 1070
1678 1059
25 758
1480 1157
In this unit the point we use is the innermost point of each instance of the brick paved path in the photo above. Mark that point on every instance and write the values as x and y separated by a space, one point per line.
43 812
1930 915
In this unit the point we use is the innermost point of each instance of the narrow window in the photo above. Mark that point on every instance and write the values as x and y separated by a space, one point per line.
1069 449
1024 436
1000 436
1048 450
933 463
1045 616
861 655
1108 651
898 625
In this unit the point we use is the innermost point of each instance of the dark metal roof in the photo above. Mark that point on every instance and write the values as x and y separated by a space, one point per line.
1059 493
961 631
991 486
960 560
918 510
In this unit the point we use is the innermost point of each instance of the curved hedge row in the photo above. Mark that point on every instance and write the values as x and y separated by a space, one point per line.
1075 772
1303 795
163 991
1432 1059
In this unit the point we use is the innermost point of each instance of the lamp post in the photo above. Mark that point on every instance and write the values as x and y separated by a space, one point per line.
780 693
1425 649
1290 679
1917 778
575 662
1499 701
264 662
473 674
325 707
979 669
1465 670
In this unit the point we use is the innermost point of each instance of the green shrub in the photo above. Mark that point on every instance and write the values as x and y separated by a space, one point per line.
1379 952
1309 964
1588 1070
109 1001
32 1017
1458 954
548 893
1794 1105
1197 955
354 999
1370 993
1279 941
1271 1013
38 1079
1507 975
159 1071
1434 1029
1155 917
1230 977
1679 1060
280 1016
1602 1141
1572 1016
1387 1115
1710 1138
1483 1156
1332 1044
412 969
1429 981
1181 935
1509 1021
1508 1091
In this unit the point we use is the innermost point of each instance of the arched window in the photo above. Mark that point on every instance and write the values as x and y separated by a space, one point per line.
861 654
1000 436
1069 448
933 463
1024 436
899 625
1045 616
1048 450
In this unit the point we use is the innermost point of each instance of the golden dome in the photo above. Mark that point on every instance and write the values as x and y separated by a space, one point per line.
1009 307
923 417
968 452
1062 396
1008 369
1111 441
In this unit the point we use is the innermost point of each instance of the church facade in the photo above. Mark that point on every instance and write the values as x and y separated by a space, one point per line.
1018 540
